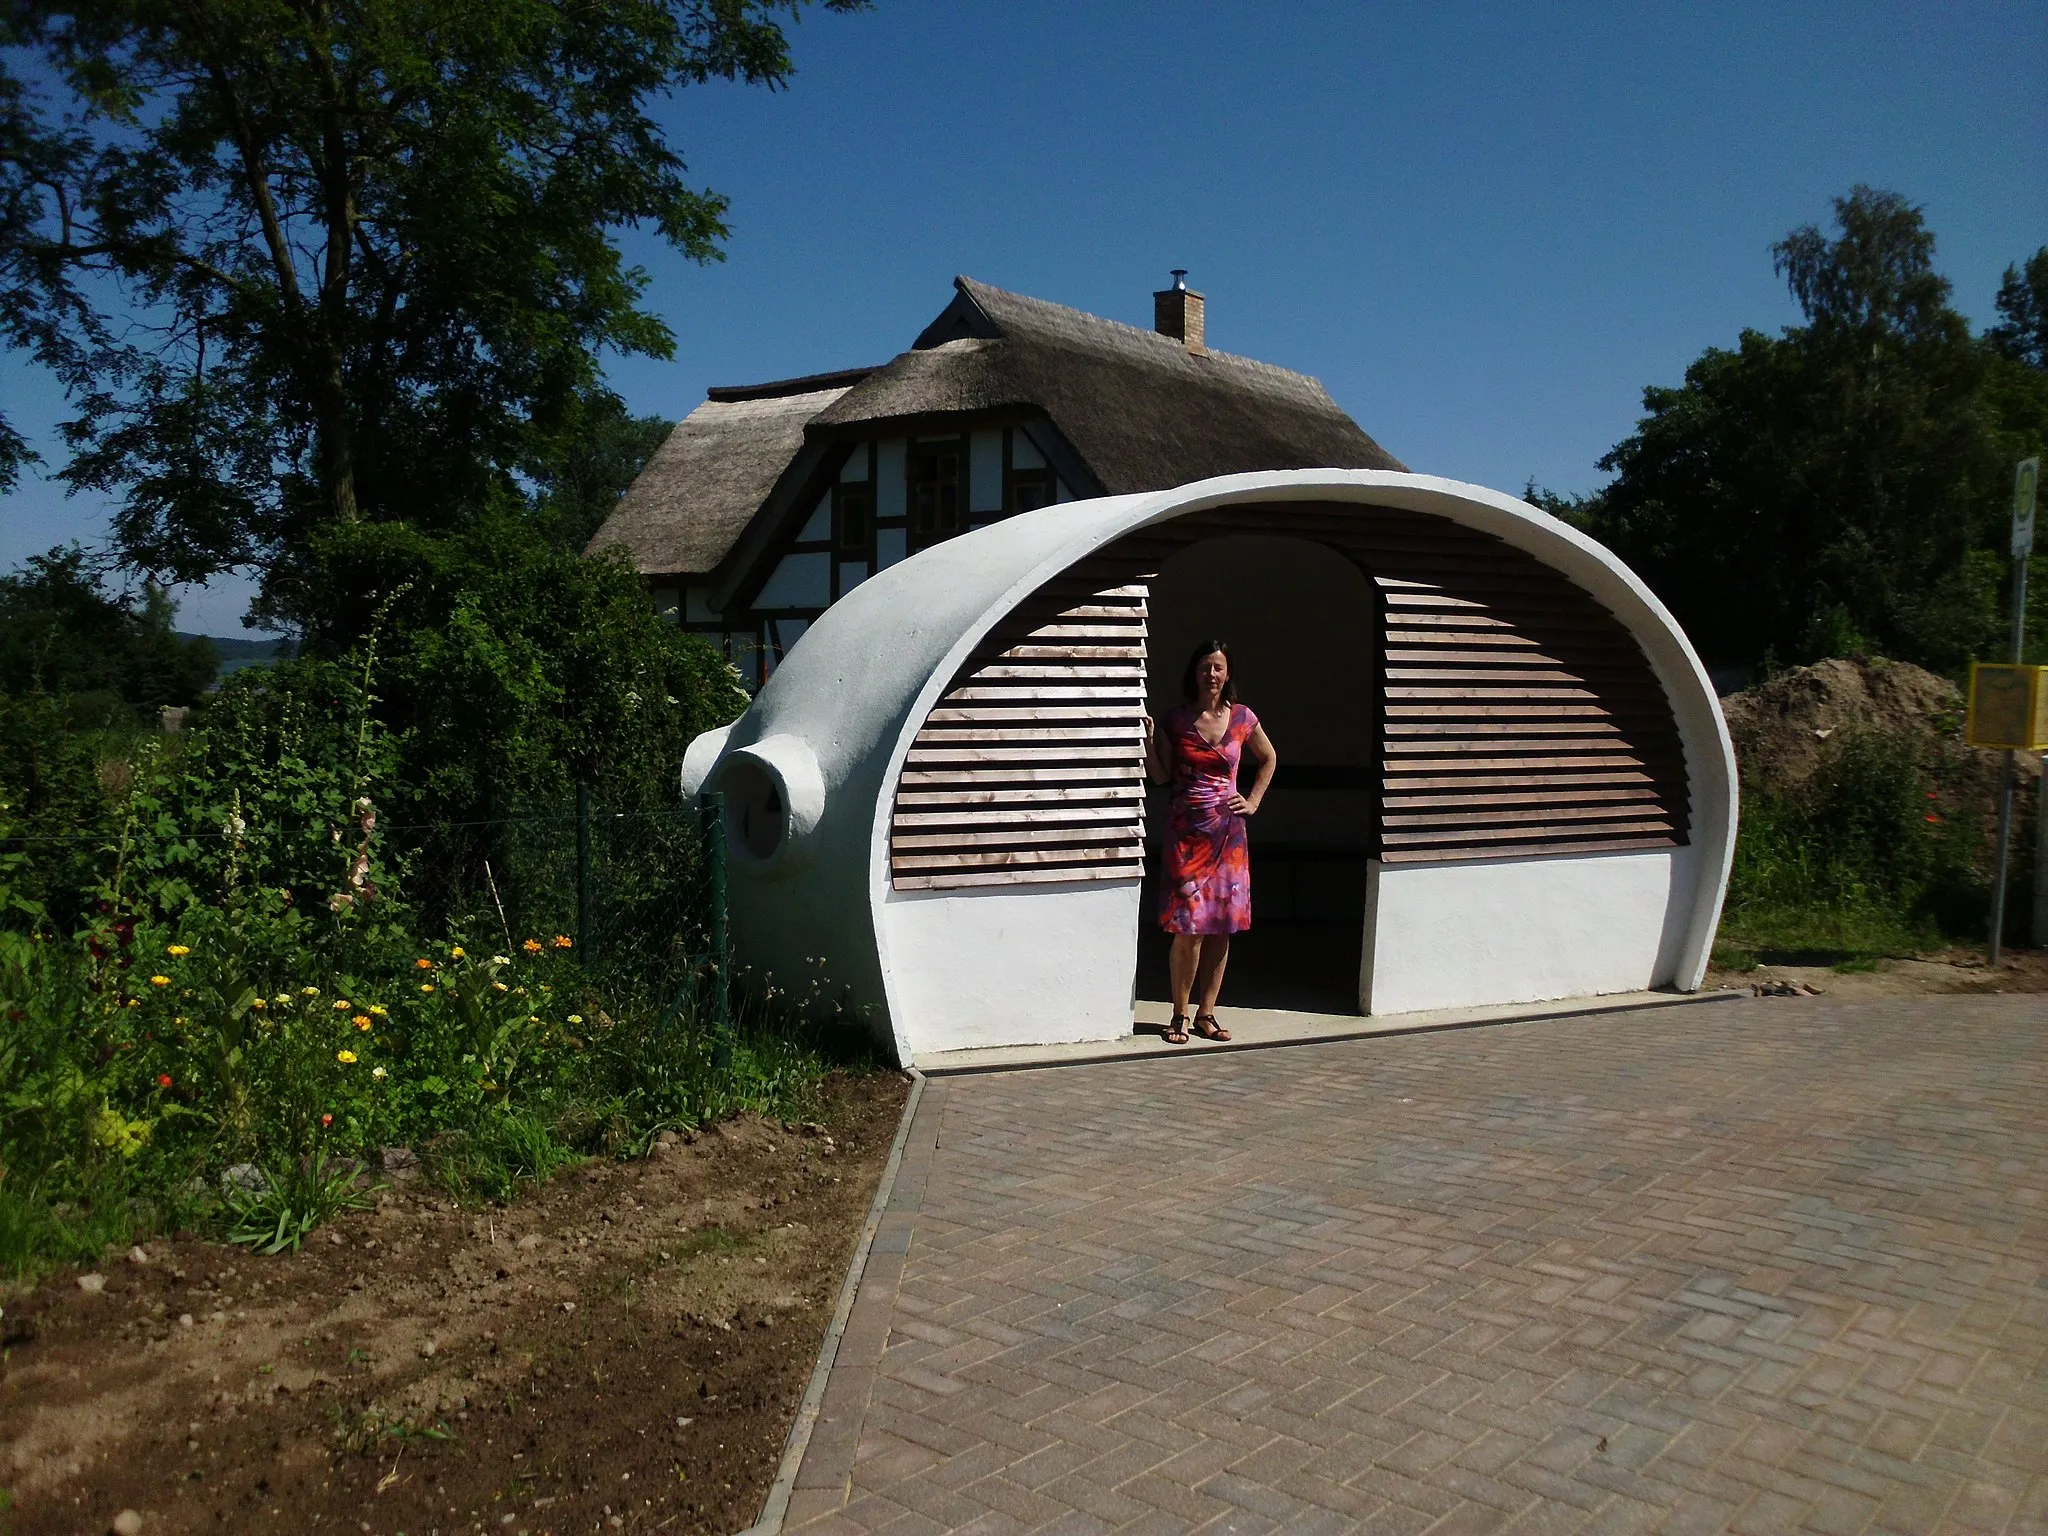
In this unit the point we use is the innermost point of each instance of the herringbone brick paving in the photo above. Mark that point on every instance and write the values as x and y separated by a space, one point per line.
1759 1267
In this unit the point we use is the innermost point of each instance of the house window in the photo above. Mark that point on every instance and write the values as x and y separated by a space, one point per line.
1032 488
938 491
852 519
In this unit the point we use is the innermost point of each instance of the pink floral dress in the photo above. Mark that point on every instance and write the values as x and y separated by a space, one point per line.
1205 881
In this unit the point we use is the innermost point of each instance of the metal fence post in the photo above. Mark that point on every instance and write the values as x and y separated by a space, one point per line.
712 812
583 870
2005 779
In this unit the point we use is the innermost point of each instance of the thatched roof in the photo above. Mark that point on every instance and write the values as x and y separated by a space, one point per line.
705 483
1140 411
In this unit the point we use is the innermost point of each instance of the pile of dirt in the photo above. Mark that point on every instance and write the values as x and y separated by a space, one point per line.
1782 727
1785 730
622 1350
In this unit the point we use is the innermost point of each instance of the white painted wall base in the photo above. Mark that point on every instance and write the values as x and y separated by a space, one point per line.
1511 931
1016 965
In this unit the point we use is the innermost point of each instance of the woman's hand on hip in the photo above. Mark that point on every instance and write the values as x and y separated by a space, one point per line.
1239 806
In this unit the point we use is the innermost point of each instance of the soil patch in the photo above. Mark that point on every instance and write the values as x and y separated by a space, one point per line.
1942 972
624 1349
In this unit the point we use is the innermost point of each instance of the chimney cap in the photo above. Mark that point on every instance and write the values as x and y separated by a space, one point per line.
1180 279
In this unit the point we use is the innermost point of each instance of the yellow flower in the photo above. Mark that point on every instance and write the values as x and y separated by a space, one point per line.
309 991
378 1009
342 1005
159 981
258 1003
180 1019
498 986
575 1018
176 950
346 1058
563 941
134 1002
531 946
426 986
361 1021
378 1073
455 953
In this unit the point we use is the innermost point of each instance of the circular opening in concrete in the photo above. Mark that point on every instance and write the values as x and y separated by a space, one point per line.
755 816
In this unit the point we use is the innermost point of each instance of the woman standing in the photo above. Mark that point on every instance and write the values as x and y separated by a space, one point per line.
1205 886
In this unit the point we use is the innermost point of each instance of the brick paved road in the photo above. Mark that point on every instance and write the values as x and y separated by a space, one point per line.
1758 1267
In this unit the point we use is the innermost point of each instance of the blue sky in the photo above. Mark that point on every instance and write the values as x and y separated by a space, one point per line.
1485 228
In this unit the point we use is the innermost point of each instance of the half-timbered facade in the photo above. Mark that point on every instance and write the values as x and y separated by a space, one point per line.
770 502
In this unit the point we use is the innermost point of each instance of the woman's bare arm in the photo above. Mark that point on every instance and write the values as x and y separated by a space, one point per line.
1158 753
1261 747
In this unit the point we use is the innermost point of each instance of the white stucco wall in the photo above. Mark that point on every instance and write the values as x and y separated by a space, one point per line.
1012 965
1524 931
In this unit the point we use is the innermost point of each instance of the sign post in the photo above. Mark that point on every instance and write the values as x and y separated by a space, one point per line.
2026 478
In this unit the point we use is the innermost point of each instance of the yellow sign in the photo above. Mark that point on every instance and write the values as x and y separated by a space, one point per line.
2008 706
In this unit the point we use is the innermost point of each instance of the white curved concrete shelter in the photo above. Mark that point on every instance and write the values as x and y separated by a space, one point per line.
1504 773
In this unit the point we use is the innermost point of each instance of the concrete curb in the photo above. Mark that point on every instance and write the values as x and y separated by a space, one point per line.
1083 1056
776 1506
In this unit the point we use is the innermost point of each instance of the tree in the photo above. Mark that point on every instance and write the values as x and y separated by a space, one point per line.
365 248
1839 487
2022 331
62 632
577 492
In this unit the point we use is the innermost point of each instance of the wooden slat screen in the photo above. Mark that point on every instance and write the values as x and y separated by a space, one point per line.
1030 767
1519 717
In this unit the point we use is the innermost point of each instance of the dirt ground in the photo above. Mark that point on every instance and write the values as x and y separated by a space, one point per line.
624 1349
1953 970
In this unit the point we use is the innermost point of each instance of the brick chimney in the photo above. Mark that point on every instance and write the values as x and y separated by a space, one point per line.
1177 312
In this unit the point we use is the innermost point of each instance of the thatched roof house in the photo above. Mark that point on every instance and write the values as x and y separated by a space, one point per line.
771 501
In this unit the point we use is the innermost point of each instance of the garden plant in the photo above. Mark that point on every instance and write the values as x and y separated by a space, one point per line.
266 961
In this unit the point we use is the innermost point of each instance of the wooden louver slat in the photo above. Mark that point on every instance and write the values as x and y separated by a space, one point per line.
1030 766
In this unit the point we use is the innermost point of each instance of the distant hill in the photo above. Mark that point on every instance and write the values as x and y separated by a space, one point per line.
237 653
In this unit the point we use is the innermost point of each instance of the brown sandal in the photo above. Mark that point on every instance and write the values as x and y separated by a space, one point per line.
1207 1027
1176 1033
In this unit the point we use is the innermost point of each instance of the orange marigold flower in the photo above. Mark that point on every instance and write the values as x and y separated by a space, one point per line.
361 1021
424 965
326 1120
531 946
563 941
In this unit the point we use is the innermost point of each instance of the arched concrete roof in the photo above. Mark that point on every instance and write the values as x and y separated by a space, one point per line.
836 720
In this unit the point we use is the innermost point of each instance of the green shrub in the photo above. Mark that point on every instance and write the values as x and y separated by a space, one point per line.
284 958
1881 852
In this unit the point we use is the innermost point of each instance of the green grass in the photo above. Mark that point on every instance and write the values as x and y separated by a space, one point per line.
715 1241
1820 935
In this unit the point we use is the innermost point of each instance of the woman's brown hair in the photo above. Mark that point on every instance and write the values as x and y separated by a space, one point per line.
1188 689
